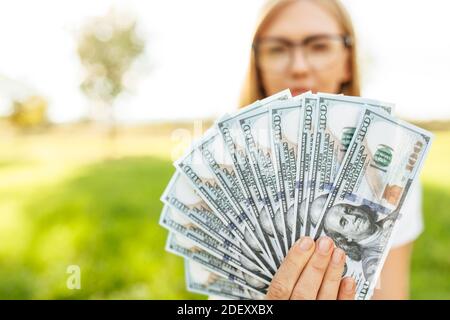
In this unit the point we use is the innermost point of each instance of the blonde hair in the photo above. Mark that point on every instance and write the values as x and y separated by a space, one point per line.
252 88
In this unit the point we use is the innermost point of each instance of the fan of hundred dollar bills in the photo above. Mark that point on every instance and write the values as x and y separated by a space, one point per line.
286 167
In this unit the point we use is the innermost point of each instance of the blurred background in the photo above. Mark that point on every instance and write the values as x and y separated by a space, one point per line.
98 97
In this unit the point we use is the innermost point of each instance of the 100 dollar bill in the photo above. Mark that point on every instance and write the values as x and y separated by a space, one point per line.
336 121
305 143
203 281
285 127
221 165
363 207
180 195
207 186
235 146
176 222
184 247
255 132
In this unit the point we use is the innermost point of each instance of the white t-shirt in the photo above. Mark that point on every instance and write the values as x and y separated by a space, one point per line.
410 225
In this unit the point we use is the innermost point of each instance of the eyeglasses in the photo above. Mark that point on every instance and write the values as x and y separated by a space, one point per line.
319 51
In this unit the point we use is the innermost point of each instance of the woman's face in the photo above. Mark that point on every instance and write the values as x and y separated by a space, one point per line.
296 22
349 221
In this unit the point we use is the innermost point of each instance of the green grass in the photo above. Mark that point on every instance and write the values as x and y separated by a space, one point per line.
103 219
430 278
431 256
67 204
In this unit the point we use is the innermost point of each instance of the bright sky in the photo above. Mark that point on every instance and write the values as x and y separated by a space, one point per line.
198 50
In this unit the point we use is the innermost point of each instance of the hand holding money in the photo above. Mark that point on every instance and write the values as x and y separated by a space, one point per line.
312 271
290 194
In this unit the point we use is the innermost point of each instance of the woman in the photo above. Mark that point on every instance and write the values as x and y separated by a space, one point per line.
310 45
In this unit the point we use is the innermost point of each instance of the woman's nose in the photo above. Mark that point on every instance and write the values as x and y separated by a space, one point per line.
299 63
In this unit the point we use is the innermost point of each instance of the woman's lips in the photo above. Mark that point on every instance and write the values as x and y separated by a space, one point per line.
297 91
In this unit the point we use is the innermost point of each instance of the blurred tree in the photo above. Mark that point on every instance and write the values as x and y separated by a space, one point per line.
107 47
30 112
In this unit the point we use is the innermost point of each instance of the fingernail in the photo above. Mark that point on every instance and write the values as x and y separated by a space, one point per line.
324 245
338 255
305 243
349 285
